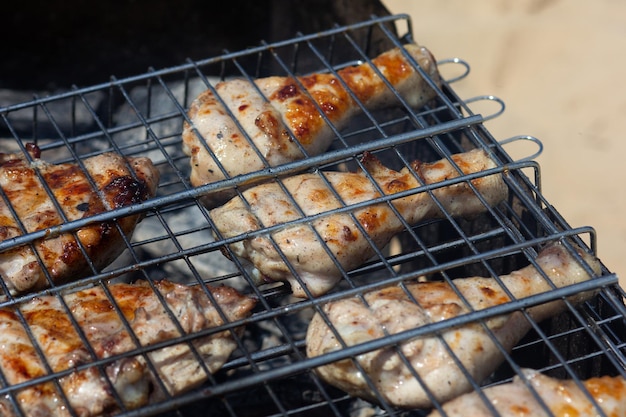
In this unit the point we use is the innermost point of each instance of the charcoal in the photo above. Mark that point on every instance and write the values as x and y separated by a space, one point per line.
51 117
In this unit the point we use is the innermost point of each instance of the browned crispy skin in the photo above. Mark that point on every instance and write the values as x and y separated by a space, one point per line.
110 181
88 391
273 111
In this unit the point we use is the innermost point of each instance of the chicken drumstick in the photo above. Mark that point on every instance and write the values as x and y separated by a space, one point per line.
270 206
561 397
276 110
391 310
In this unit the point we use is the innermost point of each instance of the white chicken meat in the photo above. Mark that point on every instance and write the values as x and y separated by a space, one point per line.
272 121
563 398
269 205
107 182
392 310
91 392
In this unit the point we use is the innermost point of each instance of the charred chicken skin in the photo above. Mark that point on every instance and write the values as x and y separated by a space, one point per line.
109 181
268 205
92 391
274 111
561 397
391 310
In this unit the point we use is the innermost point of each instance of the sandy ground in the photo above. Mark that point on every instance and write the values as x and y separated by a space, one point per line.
559 66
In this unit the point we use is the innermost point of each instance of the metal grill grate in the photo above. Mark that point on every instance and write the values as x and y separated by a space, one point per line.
269 372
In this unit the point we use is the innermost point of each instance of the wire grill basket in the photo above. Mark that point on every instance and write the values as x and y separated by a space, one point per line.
269 372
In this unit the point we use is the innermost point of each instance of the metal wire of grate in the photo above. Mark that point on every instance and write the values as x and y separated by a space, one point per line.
269 373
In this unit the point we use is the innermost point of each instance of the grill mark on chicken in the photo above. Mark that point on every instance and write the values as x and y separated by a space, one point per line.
115 186
561 397
303 116
268 205
126 191
300 106
268 123
372 219
391 310
87 390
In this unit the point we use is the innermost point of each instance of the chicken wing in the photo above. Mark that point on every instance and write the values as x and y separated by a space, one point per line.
276 110
92 391
562 397
110 181
268 205
391 310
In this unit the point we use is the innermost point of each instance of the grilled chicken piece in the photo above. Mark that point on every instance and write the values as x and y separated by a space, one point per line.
561 397
390 310
117 182
268 205
276 110
87 390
